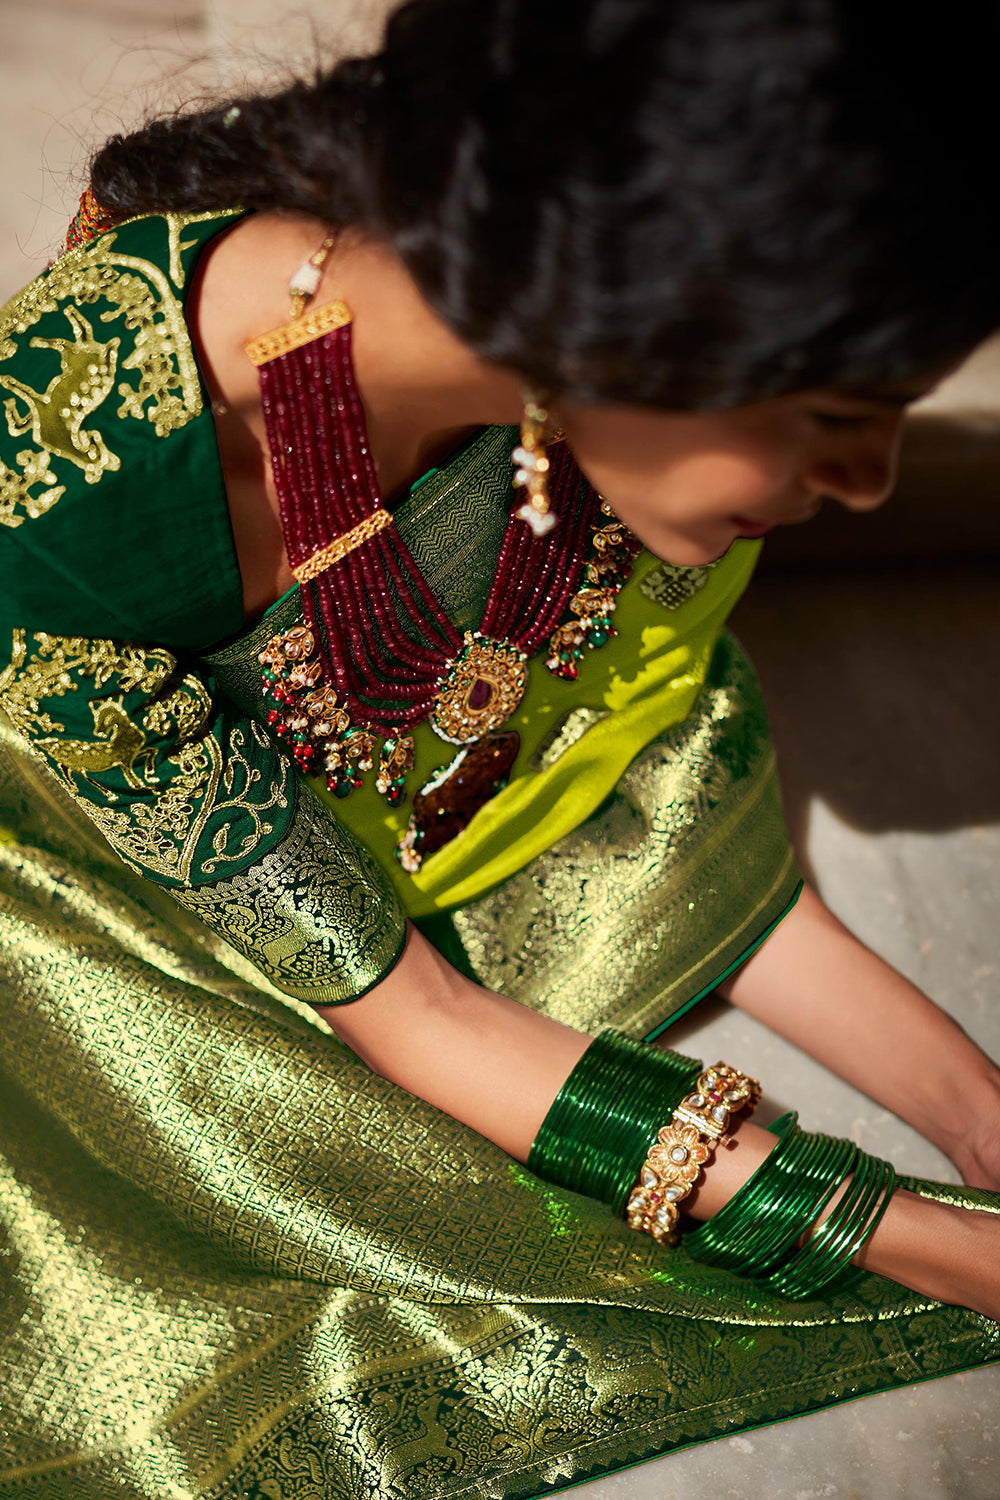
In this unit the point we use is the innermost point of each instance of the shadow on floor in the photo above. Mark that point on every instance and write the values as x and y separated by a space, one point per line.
882 690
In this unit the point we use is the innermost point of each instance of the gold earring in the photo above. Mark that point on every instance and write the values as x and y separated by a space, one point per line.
532 464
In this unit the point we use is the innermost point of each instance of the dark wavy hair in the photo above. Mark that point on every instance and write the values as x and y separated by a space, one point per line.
681 203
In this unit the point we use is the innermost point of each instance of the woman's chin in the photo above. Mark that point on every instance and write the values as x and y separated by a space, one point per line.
687 554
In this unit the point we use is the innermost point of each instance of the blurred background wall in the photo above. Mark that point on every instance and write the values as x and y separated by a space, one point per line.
74 71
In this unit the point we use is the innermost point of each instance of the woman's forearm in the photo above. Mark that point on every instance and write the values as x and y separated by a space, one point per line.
478 1056
497 1066
817 985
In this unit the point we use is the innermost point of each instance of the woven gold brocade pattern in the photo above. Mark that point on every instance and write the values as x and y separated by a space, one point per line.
224 1279
675 875
269 1299
235 1264
151 772
312 913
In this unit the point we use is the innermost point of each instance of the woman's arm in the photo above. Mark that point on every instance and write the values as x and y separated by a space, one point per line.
497 1066
817 985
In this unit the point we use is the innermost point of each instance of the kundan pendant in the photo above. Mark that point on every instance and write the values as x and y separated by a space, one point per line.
481 690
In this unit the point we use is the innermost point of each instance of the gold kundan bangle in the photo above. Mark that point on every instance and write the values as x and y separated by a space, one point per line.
699 1124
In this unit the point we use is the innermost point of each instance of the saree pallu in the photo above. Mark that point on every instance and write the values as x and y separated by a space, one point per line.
238 1265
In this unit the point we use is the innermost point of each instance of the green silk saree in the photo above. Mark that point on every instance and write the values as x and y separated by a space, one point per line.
236 1263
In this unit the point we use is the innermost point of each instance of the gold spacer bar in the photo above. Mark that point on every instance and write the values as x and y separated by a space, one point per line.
302 330
341 545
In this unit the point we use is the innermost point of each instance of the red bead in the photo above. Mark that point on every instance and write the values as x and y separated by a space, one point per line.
375 653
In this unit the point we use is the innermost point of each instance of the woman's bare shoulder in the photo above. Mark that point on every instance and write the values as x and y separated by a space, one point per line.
241 290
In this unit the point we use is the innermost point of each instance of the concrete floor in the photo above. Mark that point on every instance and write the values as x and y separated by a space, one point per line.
881 686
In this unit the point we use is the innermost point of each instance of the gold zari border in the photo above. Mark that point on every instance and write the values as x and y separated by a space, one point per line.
312 325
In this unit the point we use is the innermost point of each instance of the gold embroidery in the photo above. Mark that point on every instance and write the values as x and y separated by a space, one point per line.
49 674
16 488
315 914
236 766
55 417
186 788
160 837
176 225
150 318
121 744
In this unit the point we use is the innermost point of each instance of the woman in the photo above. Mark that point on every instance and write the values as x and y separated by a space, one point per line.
248 1263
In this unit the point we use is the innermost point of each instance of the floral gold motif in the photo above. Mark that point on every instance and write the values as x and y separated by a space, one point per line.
154 777
673 1164
313 913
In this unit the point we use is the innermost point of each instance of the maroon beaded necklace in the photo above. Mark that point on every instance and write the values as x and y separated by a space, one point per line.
377 653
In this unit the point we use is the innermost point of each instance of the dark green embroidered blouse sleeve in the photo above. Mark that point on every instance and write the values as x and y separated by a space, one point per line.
117 567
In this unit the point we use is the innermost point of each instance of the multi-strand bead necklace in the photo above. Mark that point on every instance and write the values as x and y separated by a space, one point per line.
377 654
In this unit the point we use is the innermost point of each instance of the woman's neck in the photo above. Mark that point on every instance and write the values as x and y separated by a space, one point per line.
423 390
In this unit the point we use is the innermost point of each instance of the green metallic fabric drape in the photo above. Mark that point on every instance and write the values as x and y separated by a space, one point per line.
238 1265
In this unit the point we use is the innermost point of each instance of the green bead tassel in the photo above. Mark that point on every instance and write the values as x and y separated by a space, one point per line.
606 1116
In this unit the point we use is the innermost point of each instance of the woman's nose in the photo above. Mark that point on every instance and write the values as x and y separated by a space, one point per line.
859 469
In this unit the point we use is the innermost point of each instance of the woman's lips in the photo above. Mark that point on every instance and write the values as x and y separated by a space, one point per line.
748 527
751 529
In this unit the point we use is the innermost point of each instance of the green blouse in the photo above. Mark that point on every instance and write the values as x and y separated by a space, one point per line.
124 661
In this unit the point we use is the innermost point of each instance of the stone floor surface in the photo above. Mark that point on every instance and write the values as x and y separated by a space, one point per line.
882 692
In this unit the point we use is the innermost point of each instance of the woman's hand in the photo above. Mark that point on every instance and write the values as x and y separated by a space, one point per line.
817 985
951 1254
977 1156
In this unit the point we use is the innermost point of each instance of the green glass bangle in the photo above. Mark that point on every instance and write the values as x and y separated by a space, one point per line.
791 1197
807 1266
757 1232
844 1232
754 1230
606 1116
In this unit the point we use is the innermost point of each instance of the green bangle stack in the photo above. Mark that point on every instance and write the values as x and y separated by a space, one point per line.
757 1231
606 1116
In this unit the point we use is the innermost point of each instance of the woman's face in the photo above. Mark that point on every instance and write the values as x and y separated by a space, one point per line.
689 484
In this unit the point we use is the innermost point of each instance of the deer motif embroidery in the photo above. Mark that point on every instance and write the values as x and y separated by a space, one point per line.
55 417
119 743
